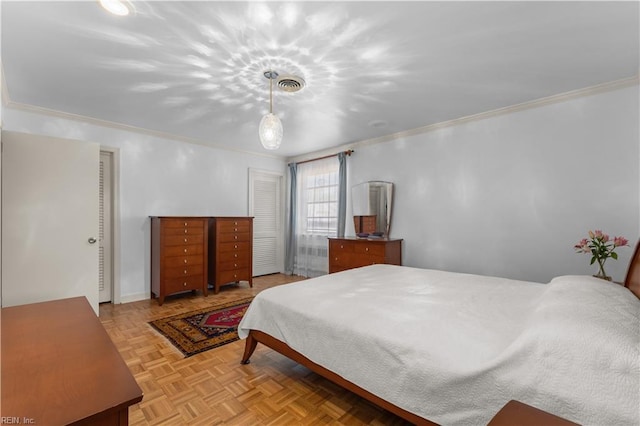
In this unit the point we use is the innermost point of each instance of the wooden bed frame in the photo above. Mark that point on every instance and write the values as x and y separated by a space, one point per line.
632 282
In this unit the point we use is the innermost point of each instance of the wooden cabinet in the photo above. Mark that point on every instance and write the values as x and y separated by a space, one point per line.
230 251
191 253
60 367
348 253
178 255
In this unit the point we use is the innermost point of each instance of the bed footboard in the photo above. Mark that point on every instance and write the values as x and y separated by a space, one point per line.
256 337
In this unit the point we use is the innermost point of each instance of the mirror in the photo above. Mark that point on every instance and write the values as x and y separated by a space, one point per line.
372 208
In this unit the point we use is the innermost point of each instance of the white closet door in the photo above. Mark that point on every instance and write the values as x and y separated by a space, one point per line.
265 205
105 264
50 218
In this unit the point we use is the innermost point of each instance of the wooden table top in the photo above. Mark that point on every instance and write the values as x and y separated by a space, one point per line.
59 365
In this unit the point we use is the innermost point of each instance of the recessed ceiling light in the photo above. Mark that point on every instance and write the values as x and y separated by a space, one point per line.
117 7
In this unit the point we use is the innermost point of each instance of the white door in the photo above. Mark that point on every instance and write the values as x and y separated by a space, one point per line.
265 205
50 219
105 249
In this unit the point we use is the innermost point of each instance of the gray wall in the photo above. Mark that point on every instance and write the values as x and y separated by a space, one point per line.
157 177
510 195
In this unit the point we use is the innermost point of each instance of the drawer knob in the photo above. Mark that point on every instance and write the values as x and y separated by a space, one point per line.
185 272
235 223
235 265
336 258
235 246
341 246
185 261
235 275
185 250
185 240
235 255
185 224
185 284
235 237
366 249
185 231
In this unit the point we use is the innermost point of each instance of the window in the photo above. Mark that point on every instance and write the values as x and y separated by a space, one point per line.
317 199
322 203
318 187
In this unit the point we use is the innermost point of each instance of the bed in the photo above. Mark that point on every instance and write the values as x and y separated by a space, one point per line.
438 347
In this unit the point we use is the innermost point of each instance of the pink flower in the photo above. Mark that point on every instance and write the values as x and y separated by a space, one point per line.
597 234
583 246
591 235
605 238
620 241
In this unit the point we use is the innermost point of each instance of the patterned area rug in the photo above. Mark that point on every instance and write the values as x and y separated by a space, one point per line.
198 331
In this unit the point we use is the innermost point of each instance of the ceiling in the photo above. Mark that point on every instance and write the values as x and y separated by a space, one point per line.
194 70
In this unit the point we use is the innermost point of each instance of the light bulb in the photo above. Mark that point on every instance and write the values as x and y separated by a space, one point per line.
117 7
270 131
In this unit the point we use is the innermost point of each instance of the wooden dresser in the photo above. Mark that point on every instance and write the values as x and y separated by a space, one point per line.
60 367
178 255
347 253
230 250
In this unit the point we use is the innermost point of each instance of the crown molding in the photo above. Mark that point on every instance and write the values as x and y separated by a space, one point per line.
553 99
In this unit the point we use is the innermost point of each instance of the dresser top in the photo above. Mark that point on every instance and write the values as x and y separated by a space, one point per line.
201 217
68 373
373 239
180 217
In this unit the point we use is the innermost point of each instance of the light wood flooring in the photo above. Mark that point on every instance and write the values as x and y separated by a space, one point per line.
213 388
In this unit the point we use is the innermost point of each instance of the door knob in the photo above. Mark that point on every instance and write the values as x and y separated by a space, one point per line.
92 240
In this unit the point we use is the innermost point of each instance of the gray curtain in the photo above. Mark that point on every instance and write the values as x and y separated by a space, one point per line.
290 251
342 193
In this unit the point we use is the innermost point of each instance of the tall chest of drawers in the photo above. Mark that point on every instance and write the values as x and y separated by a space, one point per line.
230 250
178 255
348 253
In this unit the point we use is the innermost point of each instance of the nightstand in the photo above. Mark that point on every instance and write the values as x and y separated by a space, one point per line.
516 413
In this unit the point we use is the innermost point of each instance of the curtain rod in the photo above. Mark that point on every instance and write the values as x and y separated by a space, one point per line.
347 152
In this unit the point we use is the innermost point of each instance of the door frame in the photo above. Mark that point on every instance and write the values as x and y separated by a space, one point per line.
115 217
280 176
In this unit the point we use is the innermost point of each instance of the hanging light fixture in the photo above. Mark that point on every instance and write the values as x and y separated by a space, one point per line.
270 126
118 7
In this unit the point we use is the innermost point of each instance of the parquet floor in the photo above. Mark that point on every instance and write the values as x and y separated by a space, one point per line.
213 388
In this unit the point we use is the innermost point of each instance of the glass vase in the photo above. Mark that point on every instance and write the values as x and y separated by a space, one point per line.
601 274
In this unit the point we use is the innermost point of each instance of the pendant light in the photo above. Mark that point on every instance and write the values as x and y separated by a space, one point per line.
270 126
117 7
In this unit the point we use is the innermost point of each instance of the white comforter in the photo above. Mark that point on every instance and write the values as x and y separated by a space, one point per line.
454 348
